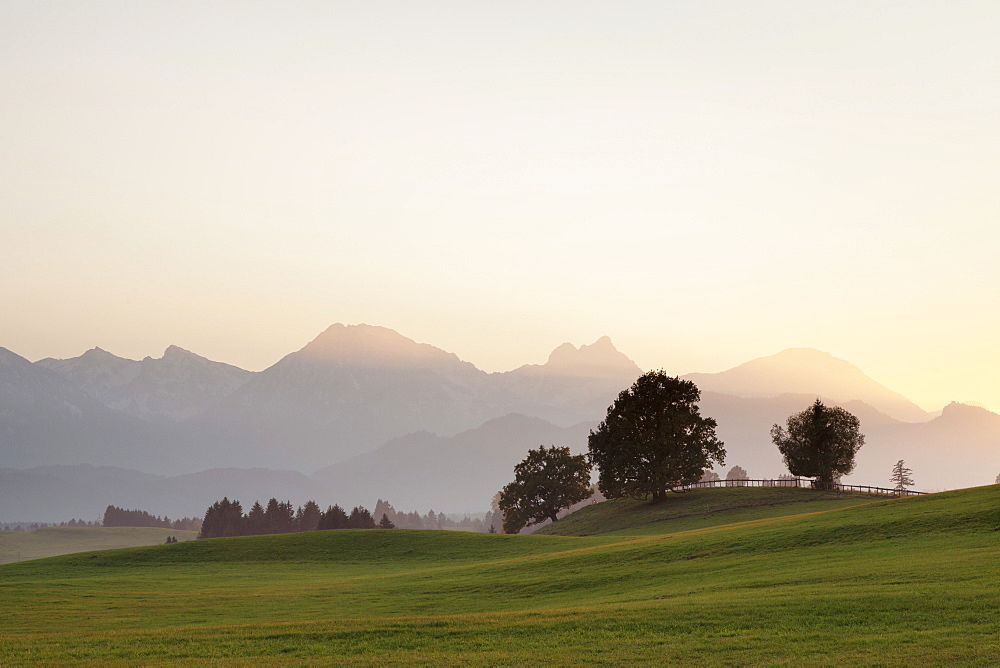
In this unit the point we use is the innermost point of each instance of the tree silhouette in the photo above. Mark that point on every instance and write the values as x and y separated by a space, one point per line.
736 474
545 482
901 476
256 521
654 439
307 518
360 518
820 442
333 518
386 523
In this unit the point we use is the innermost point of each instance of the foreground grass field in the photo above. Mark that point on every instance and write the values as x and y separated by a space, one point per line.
901 582
700 508
54 541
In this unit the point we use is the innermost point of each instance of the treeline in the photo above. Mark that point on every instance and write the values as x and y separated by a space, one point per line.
226 518
120 517
32 526
432 520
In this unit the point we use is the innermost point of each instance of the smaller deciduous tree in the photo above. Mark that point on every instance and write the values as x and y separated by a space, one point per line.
901 476
998 479
820 442
545 482
736 477
709 476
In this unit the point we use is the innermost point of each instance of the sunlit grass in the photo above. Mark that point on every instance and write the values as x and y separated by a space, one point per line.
913 581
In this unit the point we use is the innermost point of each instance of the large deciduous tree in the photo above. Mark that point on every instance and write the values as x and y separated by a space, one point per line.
545 482
820 442
654 439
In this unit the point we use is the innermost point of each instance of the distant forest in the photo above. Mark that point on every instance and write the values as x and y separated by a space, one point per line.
119 517
226 518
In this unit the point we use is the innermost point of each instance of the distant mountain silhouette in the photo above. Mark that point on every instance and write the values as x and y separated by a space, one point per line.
47 419
808 371
176 386
574 385
60 493
350 389
959 448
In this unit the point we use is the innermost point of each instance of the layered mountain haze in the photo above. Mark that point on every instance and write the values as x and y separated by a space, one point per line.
48 493
378 415
459 473
574 385
349 390
47 419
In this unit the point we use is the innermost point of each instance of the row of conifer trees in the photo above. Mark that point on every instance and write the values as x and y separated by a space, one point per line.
120 517
226 518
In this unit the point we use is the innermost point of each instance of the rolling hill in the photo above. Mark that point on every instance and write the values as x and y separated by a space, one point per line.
896 582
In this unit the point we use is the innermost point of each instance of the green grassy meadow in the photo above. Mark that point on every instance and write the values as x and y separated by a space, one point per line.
54 541
888 582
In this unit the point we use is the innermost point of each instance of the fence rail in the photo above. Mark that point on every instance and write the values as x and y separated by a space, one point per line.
804 483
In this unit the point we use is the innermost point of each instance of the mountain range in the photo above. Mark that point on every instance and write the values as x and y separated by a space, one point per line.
362 412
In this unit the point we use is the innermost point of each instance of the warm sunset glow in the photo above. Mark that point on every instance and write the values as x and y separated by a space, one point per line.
704 183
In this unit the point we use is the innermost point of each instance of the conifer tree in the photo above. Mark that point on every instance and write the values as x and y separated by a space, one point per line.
360 519
309 517
386 523
333 518
901 476
256 522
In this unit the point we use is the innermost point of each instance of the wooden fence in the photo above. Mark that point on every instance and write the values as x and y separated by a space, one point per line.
804 483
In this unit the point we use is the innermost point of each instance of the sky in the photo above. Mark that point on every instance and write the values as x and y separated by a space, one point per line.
704 182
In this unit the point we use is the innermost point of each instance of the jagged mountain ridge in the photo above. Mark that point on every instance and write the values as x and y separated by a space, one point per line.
176 386
354 388
45 418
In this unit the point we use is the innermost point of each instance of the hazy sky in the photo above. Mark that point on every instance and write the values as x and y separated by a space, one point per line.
705 182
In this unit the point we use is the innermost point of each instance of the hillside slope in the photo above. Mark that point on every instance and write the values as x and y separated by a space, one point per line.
699 508
897 582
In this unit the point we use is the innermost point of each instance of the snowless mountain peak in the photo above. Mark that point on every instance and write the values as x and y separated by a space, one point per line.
178 353
372 346
598 359
97 352
808 371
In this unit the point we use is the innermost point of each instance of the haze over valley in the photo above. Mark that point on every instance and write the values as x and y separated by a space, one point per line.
363 412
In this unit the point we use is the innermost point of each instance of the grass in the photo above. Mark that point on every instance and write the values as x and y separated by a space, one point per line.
895 582
55 541
699 508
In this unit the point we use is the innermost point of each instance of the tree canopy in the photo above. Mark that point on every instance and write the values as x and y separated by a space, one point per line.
654 439
545 482
820 442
